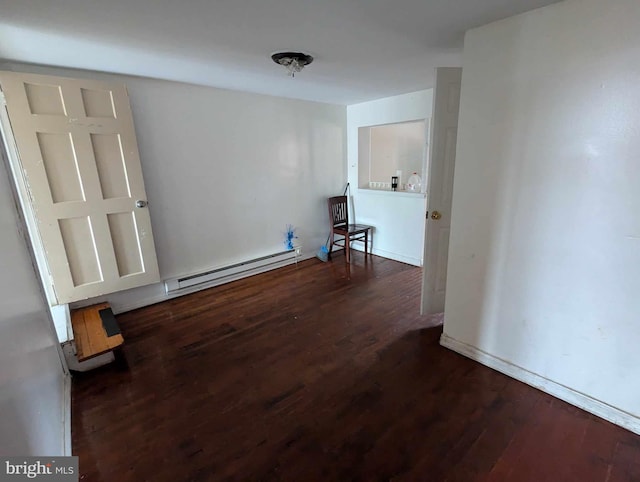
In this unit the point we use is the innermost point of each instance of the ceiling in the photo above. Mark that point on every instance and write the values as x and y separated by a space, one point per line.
363 49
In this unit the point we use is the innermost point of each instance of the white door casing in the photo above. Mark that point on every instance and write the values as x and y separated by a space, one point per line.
444 131
79 158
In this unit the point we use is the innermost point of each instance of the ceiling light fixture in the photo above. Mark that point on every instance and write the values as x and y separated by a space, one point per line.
294 62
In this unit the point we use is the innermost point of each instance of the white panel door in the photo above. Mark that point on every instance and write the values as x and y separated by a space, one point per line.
444 132
79 158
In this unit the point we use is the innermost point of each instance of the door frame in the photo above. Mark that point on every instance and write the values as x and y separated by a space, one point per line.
22 193
25 215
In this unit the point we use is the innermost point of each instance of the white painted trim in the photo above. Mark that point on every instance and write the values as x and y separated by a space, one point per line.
66 416
62 322
69 350
142 302
386 192
390 255
569 395
28 214
151 300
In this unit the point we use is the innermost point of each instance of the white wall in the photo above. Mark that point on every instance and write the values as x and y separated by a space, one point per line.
32 380
226 171
398 217
544 260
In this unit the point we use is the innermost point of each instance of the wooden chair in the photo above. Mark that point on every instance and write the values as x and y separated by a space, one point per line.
339 222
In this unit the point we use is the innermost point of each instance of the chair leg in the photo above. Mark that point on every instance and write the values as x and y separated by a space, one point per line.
366 243
347 248
330 245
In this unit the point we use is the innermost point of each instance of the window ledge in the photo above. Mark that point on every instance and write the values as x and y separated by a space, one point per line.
390 193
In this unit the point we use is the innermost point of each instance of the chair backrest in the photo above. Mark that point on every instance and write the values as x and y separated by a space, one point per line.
338 212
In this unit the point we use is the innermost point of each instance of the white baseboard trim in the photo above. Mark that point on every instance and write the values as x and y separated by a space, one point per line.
585 402
140 303
66 416
136 303
390 255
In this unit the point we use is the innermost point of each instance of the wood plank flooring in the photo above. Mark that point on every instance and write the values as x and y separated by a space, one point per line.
308 373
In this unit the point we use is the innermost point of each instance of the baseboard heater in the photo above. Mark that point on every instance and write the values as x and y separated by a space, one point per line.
226 274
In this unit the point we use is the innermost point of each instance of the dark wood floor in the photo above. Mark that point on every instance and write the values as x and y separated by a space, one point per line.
303 374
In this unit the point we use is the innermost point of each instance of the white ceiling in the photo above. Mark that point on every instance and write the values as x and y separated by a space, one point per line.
363 49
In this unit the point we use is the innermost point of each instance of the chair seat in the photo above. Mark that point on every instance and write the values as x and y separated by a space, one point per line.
353 229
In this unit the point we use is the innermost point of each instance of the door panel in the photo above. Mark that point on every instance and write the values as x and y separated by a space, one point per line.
111 164
79 157
98 103
60 167
84 264
122 227
444 133
44 99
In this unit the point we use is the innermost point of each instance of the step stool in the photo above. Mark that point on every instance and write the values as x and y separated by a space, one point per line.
95 335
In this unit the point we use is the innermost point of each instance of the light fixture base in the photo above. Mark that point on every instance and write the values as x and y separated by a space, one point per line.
294 62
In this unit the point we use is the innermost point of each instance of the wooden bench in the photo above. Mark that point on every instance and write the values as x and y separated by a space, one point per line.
95 331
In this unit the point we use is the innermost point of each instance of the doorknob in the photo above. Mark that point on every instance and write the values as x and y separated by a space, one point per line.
141 204
436 215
